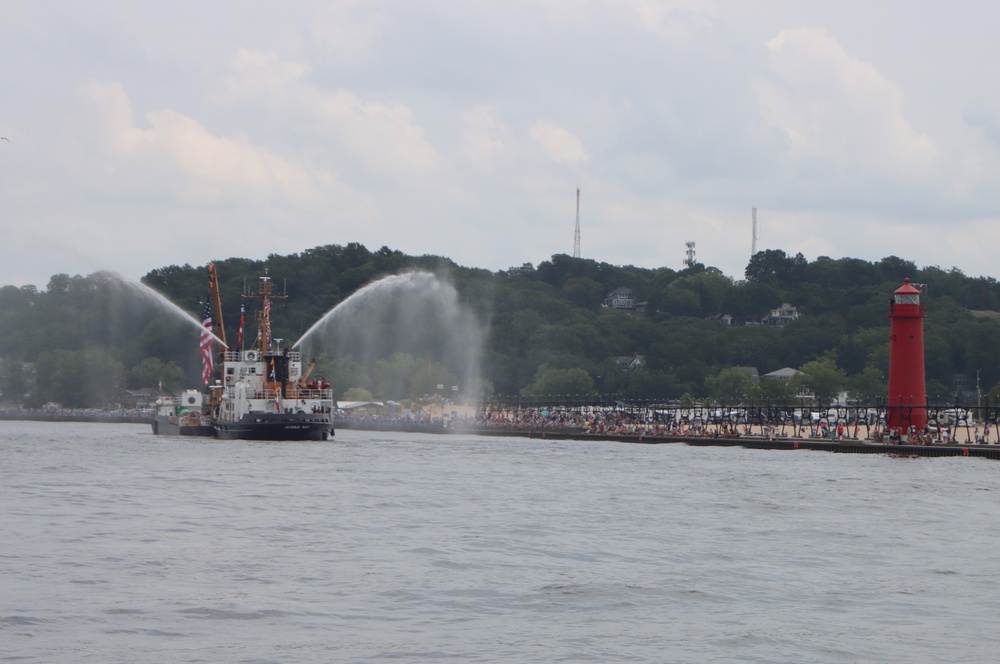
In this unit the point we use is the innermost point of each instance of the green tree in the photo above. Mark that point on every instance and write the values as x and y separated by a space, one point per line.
428 376
584 292
824 378
574 381
343 373
731 386
154 372
867 386
89 378
394 374
774 390
769 266
357 394
15 380
681 302
939 393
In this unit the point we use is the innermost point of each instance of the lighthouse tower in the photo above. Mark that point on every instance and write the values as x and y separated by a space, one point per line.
907 399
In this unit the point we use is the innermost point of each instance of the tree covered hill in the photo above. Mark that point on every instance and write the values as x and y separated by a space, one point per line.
548 329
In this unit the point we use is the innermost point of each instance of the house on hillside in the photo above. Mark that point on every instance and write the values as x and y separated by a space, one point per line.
620 298
623 299
626 362
725 319
781 316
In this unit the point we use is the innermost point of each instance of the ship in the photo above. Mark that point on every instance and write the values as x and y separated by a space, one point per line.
263 392
184 415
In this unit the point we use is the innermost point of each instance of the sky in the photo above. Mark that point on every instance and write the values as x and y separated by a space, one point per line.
142 135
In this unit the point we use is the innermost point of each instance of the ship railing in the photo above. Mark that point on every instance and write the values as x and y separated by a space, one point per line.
290 393
236 356
309 393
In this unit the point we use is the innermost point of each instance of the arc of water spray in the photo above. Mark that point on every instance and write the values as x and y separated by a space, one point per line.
388 314
386 282
161 299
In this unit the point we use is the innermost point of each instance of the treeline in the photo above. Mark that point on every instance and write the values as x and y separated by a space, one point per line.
547 330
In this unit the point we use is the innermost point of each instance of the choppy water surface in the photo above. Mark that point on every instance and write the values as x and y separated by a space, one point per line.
118 546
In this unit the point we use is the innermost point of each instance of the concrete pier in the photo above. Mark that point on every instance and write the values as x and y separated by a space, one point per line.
848 446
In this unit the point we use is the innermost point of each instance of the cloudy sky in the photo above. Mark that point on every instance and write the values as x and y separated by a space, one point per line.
142 135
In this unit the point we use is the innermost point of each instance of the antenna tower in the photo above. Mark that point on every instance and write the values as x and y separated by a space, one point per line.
576 235
689 261
753 243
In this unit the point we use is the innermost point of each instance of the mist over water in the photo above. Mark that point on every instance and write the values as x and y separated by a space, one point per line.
418 313
117 324
132 291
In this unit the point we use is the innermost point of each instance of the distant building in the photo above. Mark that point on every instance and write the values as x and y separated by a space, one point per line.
621 298
963 386
630 361
786 373
781 316
725 319
144 398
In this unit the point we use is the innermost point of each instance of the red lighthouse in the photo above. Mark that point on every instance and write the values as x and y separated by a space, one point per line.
907 402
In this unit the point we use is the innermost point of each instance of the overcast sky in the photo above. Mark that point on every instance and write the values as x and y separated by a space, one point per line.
148 134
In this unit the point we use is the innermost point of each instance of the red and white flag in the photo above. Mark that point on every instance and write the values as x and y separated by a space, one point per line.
267 327
205 345
239 336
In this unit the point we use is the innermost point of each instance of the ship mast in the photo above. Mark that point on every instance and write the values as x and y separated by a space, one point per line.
213 289
264 315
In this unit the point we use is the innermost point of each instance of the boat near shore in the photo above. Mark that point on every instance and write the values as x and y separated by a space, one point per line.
184 415
263 392
267 397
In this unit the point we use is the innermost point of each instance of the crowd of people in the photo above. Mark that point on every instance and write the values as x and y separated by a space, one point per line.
623 422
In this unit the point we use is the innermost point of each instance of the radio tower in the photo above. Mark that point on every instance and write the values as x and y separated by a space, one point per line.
689 254
753 243
576 235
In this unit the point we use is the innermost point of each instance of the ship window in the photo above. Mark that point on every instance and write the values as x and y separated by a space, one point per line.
230 370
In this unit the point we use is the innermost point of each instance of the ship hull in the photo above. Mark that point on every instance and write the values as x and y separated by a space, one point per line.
162 426
273 426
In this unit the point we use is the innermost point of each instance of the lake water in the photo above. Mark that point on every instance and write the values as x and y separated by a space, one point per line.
119 546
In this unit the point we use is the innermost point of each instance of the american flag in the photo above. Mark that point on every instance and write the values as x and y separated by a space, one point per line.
206 344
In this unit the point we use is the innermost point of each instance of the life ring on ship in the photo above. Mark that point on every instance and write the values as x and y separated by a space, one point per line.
228 378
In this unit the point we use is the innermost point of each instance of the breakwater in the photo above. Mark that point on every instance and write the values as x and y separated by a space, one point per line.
845 446
758 443
107 417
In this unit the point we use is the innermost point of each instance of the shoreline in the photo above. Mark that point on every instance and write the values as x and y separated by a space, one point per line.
751 441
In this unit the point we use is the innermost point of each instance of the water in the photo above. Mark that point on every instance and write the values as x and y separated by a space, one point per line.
417 313
149 295
118 546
